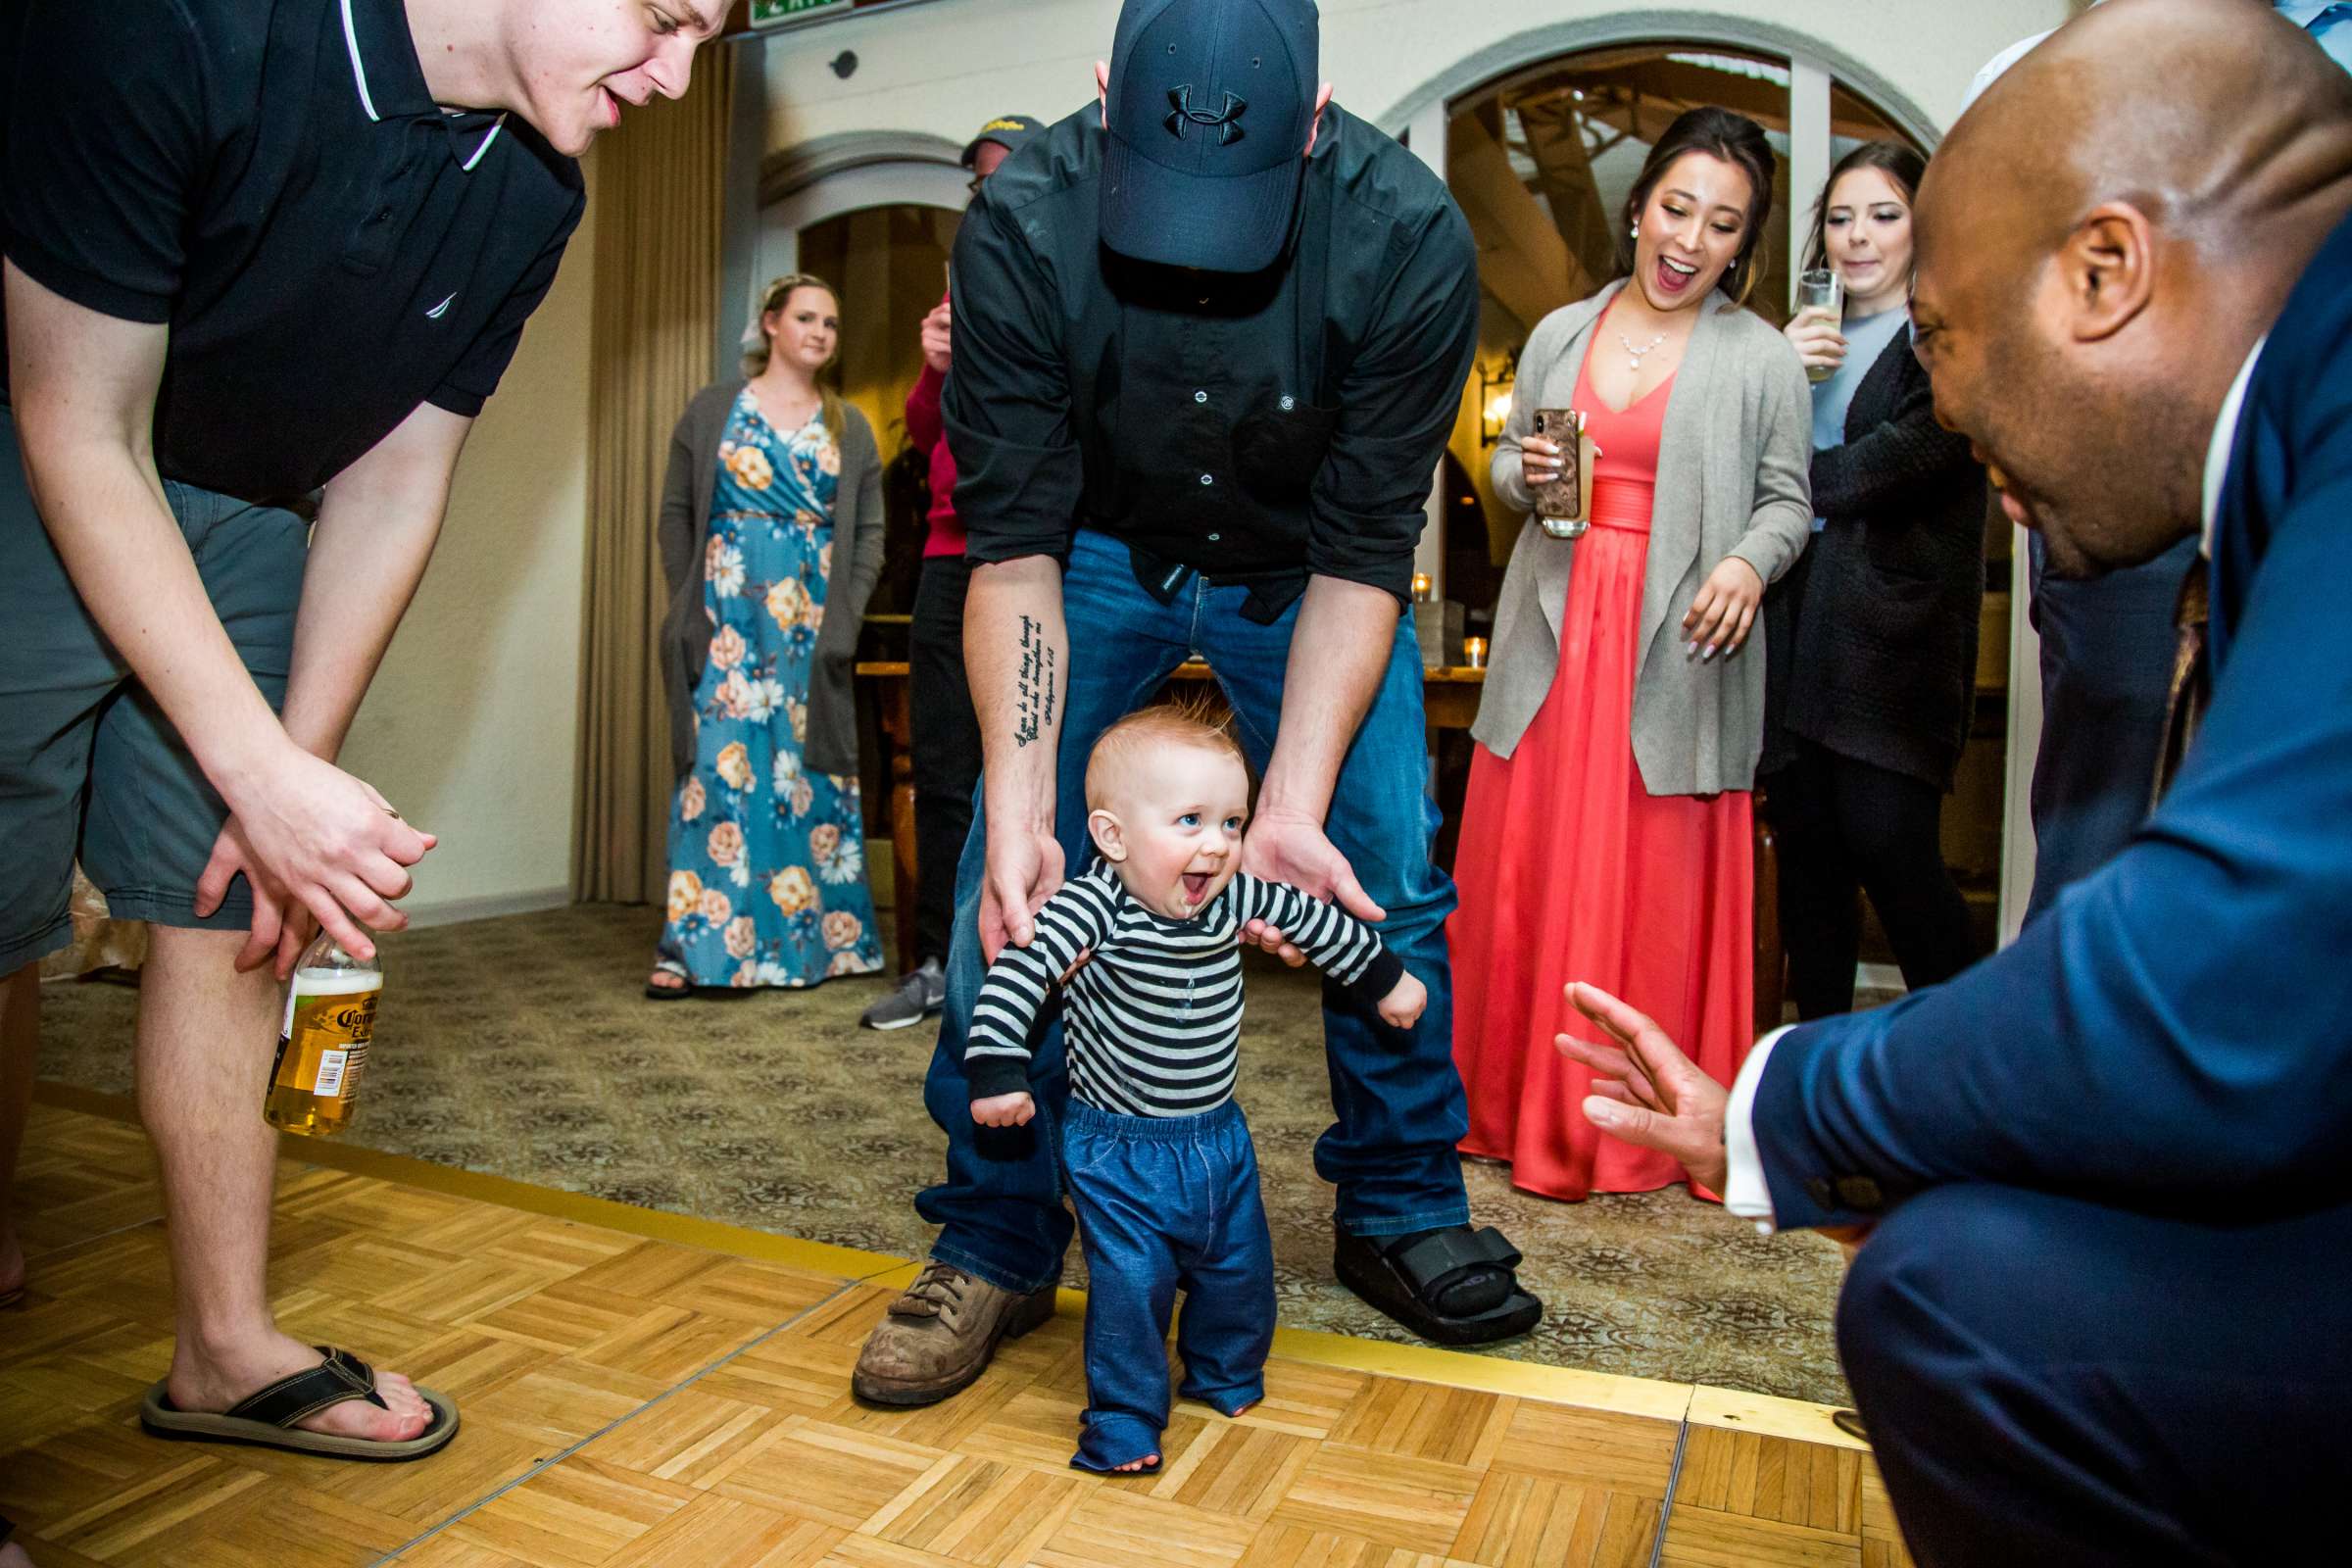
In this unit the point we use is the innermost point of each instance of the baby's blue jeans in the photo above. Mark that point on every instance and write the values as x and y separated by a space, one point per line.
1167 1202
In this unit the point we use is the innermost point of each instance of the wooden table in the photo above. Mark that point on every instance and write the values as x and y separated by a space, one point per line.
1450 702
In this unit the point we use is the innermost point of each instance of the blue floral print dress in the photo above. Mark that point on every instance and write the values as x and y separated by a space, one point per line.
768 861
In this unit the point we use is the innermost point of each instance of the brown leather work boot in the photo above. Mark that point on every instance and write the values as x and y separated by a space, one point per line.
939 1334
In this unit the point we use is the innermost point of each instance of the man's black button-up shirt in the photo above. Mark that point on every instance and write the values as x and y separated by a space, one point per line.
1257 427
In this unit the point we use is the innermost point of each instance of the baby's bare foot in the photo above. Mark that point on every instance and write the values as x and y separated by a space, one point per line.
1245 1410
1144 1463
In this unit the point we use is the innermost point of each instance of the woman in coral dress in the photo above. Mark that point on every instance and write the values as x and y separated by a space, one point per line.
1607 835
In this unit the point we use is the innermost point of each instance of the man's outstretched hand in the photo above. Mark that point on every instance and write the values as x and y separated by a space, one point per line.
1646 1091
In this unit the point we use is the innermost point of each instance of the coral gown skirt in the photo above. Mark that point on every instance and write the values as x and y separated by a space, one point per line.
1569 869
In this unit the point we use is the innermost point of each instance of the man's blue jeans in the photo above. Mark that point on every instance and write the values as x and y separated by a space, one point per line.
1395 1092
1167 1202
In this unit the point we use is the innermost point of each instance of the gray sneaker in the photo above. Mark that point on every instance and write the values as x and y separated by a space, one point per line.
912 1000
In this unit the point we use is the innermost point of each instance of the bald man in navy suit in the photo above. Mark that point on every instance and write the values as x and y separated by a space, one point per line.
2102 1308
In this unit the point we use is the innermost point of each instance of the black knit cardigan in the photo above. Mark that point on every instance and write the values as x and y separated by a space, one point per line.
1873 644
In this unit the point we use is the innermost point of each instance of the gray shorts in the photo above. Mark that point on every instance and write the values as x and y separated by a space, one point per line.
89 766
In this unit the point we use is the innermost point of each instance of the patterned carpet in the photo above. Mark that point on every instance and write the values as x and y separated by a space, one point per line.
523 1046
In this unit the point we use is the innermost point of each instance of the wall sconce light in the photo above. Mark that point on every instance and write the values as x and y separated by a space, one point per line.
1495 397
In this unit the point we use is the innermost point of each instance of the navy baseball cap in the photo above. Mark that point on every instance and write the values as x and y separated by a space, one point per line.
1210 101
1007 131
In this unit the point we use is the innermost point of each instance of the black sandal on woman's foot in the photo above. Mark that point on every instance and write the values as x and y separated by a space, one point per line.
1453 1285
663 992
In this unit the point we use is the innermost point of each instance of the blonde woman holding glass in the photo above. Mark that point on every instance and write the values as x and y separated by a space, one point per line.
1874 635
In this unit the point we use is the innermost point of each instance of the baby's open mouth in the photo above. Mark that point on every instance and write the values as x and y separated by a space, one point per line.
1195 886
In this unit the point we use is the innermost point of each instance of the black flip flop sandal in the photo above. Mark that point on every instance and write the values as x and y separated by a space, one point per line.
678 993
265 1419
1404 1278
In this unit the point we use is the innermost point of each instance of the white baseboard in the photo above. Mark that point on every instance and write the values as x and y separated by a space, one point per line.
449 911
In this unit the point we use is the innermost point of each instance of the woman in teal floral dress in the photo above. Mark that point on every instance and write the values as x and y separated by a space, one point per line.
768 478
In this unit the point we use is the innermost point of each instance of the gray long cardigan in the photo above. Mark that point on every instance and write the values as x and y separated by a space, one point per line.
1731 481
683 531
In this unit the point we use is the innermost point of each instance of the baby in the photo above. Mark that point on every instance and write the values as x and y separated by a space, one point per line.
1146 946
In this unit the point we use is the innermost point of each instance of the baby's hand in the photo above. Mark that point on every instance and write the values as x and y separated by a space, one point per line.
1015 1110
1402 1007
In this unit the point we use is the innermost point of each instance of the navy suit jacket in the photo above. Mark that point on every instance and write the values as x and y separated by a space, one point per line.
2175 1035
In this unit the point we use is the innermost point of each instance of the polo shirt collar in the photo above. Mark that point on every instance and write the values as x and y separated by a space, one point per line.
390 82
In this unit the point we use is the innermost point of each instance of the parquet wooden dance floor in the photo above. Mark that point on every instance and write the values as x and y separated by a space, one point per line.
643 1390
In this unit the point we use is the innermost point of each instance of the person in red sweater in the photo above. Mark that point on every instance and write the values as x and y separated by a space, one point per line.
946 740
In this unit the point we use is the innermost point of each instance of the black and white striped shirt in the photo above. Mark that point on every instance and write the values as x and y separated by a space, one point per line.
1155 1018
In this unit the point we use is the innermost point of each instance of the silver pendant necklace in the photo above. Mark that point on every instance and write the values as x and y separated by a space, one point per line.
1633 354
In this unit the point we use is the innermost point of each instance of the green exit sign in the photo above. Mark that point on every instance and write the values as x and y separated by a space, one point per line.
768 13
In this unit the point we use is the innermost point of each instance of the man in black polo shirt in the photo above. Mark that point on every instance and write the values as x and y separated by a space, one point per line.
1202 384
264 261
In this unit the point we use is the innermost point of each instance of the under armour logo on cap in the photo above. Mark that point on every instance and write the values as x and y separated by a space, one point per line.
1244 71
1226 119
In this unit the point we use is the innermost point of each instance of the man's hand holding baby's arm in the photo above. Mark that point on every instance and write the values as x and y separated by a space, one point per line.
1007 1111
1401 1007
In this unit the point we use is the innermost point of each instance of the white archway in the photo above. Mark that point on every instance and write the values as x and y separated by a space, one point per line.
839 175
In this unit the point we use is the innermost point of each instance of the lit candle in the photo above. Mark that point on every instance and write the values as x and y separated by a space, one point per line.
1421 587
1474 652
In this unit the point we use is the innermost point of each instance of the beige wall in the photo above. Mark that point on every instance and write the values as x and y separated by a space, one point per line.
472 726
946 68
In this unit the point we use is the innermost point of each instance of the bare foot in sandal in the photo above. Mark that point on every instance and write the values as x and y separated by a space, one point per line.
218 1383
666 980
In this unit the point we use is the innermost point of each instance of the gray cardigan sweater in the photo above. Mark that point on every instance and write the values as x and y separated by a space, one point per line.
1733 457
683 531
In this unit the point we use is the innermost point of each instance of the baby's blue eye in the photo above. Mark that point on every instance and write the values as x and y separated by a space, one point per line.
1233 825
1189 820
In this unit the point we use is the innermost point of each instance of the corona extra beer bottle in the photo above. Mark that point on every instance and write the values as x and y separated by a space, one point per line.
323 1044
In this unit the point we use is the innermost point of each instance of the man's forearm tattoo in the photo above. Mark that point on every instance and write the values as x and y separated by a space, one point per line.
1034 709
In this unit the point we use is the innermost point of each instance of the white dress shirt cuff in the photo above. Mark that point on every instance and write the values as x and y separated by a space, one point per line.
1746 1193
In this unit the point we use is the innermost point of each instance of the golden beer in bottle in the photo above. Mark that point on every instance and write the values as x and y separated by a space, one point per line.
323 1044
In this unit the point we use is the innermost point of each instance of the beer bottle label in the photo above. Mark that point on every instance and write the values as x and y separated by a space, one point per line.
324 1042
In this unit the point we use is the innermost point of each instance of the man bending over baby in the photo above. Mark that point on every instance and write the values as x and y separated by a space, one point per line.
1147 947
